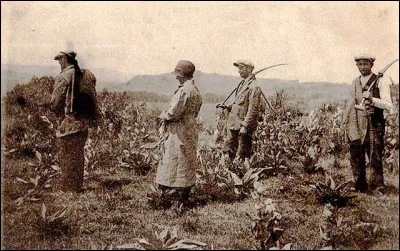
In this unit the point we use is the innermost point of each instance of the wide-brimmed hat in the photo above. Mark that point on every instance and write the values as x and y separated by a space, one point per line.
243 62
70 54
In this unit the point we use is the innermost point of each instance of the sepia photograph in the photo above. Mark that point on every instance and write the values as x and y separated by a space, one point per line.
199 125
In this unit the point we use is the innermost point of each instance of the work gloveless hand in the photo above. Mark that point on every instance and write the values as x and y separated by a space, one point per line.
369 108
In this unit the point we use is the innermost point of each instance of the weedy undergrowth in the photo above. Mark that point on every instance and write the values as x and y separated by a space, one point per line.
167 239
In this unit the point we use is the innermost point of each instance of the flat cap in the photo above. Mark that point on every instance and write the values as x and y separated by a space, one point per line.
364 56
70 54
243 62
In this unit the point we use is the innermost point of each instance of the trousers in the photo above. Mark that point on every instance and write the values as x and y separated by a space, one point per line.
72 161
238 145
373 147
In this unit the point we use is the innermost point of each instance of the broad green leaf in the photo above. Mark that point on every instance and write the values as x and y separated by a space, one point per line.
332 183
190 241
149 145
323 235
339 221
164 235
92 245
181 247
246 176
278 231
35 181
237 181
19 201
311 152
38 156
60 213
327 213
255 195
21 180
43 211
55 168
144 241
246 164
287 247
134 246
274 248
343 185
174 232
237 191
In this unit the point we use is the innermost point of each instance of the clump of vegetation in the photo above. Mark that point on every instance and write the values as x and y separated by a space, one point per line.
167 239
120 160
55 224
329 192
265 225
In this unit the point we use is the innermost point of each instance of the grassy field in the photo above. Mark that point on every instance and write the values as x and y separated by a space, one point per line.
118 208
112 211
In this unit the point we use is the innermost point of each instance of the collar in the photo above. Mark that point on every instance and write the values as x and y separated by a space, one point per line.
187 82
365 79
67 68
253 77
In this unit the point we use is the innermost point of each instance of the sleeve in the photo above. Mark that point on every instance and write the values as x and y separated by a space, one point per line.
385 100
251 118
58 96
176 106
349 103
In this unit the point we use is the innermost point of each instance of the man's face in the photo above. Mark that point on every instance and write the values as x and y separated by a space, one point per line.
179 76
364 66
63 62
244 71
181 79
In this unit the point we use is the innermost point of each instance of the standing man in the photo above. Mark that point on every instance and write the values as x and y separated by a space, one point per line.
243 114
365 130
177 169
76 115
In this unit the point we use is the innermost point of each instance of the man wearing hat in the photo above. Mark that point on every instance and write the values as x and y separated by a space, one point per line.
243 114
176 172
73 129
365 130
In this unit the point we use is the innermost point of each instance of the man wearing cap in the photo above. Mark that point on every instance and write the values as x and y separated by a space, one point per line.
365 130
176 172
243 114
73 129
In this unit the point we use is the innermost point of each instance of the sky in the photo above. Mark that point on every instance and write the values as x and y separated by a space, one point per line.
318 39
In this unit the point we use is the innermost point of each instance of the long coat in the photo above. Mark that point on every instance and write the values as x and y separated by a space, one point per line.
179 163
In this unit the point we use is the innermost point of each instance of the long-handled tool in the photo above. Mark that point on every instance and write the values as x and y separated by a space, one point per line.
380 74
223 103
246 81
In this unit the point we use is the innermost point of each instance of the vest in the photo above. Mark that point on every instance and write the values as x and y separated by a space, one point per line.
356 122
377 118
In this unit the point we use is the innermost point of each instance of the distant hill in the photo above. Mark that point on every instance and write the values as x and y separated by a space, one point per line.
308 94
214 87
208 83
